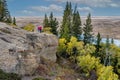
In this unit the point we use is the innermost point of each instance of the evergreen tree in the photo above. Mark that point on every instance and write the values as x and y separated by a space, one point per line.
112 41
4 13
76 28
107 42
98 42
88 30
67 21
66 32
2 10
8 18
53 23
97 52
51 19
45 22
107 61
14 21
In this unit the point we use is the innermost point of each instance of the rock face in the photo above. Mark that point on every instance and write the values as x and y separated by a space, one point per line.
21 51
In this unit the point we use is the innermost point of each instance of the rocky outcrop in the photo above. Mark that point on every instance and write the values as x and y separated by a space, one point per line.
21 51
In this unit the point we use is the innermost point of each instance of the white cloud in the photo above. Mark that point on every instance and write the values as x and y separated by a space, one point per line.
37 10
27 12
94 3
85 9
52 7
114 5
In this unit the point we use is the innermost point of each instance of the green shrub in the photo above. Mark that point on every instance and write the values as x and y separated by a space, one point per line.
47 30
62 46
74 48
115 57
88 63
9 76
29 27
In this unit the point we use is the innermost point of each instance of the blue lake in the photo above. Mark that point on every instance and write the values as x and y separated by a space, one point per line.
116 41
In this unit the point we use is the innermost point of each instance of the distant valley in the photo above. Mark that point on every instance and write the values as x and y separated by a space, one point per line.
105 25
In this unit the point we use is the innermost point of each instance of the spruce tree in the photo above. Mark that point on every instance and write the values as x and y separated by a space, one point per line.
107 42
66 32
76 28
45 22
98 46
88 30
1 10
53 23
14 21
4 13
107 61
112 41
67 21
9 19
98 42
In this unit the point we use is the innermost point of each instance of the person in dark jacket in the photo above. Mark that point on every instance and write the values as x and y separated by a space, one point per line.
40 29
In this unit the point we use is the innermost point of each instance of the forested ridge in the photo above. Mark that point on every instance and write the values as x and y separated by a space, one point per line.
98 61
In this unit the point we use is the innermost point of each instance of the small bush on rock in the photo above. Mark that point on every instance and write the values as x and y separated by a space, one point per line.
9 76
29 27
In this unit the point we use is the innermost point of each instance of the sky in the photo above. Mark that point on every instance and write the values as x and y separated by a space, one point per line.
42 7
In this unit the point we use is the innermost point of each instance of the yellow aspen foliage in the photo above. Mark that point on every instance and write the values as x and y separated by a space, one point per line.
115 55
88 63
89 49
80 47
29 27
106 73
47 30
62 45
74 44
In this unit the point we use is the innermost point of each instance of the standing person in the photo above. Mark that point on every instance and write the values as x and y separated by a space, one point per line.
40 29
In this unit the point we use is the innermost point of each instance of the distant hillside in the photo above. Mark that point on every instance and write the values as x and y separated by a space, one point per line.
105 25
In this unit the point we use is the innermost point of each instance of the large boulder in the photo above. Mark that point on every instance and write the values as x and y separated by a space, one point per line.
21 51
44 45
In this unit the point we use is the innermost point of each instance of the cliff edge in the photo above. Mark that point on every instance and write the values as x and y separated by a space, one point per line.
21 51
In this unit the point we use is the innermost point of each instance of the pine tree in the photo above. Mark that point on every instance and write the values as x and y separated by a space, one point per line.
107 42
98 46
45 22
14 21
66 32
88 30
8 17
1 10
67 21
107 61
76 28
112 41
98 42
53 23
4 13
